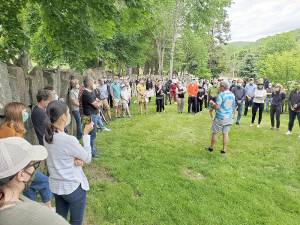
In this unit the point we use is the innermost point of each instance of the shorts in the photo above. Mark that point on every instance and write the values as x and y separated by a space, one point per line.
220 126
117 102
104 104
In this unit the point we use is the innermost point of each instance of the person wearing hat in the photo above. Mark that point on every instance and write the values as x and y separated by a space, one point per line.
277 100
19 161
259 98
224 106
250 90
294 107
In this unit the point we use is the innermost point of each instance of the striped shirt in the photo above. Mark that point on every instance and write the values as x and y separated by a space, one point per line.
65 177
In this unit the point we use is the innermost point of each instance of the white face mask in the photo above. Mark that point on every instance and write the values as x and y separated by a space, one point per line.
77 86
68 121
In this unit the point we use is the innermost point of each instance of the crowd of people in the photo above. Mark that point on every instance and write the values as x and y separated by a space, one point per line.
94 104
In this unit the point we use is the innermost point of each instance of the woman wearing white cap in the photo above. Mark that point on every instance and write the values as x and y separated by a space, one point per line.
18 162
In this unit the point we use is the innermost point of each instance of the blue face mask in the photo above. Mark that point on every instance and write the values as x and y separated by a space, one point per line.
25 116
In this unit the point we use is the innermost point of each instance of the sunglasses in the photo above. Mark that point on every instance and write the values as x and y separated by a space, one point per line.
35 165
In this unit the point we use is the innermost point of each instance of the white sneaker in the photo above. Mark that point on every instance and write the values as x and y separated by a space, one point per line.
288 133
252 124
258 125
106 129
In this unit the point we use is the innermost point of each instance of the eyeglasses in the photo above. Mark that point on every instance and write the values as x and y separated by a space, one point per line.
35 165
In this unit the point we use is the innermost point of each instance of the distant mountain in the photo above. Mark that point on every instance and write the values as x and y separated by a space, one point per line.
238 45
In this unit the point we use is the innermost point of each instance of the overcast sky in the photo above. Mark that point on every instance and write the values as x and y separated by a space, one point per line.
254 19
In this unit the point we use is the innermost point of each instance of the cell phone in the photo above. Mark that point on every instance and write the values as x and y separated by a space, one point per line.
86 120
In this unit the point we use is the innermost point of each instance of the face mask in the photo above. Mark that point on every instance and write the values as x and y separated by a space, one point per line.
56 97
94 86
239 84
251 82
68 119
25 116
77 86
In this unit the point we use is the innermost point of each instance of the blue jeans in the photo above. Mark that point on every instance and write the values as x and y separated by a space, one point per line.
100 122
74 202
39 184
240 110
94 134
77 118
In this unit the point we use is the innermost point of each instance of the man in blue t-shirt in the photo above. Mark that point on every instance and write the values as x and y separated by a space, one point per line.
224 106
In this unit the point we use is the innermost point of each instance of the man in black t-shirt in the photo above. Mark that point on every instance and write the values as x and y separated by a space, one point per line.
38 115
90 106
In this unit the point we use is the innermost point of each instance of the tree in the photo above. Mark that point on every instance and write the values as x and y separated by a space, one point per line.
248 67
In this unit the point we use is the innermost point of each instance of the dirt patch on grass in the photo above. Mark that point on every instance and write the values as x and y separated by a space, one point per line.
96 174
192 175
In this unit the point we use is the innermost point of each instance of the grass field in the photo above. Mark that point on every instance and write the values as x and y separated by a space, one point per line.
154 169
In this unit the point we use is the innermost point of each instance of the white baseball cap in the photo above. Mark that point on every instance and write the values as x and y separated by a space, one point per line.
16 153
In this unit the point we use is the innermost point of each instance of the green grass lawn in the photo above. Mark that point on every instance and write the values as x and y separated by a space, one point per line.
154 169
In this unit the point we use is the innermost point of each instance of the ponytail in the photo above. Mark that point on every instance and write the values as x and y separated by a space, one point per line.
49 132
54 111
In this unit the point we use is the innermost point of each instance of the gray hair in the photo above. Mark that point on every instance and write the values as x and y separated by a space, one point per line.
224 84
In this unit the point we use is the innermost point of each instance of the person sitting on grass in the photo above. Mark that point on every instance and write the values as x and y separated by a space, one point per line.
126 96
294 107
277 100
65 160
224 106
19 161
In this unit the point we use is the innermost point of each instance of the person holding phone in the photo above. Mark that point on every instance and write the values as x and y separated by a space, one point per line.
67 180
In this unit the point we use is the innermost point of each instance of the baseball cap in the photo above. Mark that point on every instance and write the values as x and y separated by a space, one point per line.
16 153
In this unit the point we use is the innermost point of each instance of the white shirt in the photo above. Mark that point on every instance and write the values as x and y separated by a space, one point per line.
65 177
259 95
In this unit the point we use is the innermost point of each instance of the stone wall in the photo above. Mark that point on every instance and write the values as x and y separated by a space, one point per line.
20 87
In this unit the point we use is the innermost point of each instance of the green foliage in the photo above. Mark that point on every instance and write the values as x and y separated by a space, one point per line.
12 37
248 67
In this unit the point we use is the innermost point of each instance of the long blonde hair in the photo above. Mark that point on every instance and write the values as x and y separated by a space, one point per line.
13 116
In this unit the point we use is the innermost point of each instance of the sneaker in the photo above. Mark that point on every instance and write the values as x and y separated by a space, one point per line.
223 153
106 129
258 125
252 124
210 149
288 133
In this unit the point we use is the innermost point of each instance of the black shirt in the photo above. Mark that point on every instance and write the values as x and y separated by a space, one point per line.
38 117
87 99
278 98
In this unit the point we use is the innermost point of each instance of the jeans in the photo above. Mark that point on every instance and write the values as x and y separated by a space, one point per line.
100 122
292 117
74 202
39 184
77 118
268 102
192 101
159 104
255 107
275 109
94 134
240 110
248 103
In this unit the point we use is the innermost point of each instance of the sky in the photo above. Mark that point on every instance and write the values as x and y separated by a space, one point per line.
255 19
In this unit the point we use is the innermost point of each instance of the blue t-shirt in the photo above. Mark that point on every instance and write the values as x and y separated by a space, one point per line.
226 101
116 89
